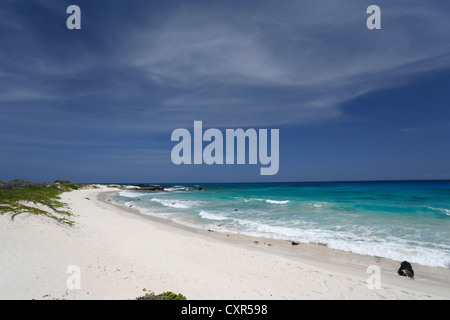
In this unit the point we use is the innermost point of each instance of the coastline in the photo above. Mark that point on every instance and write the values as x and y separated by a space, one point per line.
120 254
437 279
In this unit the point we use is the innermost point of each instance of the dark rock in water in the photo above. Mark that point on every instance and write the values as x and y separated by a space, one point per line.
406 270
200 189
294 243
148 187
236 210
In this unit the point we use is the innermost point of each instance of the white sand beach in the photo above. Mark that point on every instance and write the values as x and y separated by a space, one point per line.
121 253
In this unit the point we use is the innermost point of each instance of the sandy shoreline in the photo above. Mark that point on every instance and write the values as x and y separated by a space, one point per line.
119 253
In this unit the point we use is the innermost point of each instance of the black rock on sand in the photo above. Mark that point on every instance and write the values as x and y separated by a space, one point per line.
406 270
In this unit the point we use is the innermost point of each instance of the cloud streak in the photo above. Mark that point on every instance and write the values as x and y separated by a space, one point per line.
262 64
312 61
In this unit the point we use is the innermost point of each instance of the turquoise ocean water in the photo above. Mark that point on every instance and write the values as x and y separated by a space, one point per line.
396 220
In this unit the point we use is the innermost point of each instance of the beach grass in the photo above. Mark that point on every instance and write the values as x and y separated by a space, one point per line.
17 197
168 295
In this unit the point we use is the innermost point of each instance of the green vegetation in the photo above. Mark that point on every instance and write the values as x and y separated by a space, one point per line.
168 295
18 196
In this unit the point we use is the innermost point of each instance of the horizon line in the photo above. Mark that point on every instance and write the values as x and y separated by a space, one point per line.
267 182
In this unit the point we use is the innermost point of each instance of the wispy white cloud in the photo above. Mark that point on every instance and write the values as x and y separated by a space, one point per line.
18 94
318 56
266 63
196 45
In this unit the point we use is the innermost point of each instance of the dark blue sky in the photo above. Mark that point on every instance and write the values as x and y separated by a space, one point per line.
99 104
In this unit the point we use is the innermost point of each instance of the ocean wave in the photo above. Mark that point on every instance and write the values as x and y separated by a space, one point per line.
322 204
179 204
212 216
267 200
278 232
277 201
176 188
132 194
442 210
164 215
254 199
397 251
392 248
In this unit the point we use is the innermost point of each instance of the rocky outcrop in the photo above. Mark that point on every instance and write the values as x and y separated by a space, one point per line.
151 187
146 187
155 187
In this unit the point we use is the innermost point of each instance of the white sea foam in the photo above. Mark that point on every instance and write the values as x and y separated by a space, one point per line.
165 215
277 202
267 200
175 188
180 204
132 194
443 210
390 248
394 250
278 232
254 199
212 216
317 204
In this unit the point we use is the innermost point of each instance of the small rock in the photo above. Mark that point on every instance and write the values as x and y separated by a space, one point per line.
406 270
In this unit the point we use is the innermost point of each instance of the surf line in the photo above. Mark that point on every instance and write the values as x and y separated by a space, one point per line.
213 153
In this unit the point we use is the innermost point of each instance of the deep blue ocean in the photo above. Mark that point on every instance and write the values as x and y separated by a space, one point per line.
396 220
